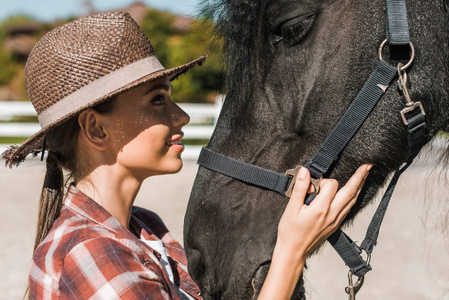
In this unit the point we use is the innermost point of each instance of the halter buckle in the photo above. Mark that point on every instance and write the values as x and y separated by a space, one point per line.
409 108
293 173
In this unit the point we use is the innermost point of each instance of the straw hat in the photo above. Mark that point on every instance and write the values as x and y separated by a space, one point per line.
84 63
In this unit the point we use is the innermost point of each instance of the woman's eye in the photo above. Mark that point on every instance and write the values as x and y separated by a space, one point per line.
295 30
158 100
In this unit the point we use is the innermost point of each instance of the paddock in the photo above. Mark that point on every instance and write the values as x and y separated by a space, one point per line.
410 262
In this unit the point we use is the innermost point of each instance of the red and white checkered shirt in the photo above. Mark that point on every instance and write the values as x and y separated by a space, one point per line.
88 254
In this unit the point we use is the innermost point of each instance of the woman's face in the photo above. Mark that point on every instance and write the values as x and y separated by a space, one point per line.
145 129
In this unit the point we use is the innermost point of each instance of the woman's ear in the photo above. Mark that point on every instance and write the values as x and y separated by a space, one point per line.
93 130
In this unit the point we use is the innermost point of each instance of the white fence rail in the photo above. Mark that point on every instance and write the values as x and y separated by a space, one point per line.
202 122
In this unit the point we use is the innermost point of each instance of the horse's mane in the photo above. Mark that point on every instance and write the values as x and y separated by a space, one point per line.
235 20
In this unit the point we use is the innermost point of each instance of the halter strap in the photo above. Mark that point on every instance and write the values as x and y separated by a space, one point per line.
359 110
397 25
242 171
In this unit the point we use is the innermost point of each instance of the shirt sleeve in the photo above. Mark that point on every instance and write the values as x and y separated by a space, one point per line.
103 268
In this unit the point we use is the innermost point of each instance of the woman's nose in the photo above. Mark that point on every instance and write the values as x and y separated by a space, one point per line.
179 117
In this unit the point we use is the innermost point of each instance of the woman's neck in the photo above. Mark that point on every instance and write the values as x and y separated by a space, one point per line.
113 188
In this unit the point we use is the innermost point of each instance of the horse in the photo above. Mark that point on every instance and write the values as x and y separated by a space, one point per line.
293 68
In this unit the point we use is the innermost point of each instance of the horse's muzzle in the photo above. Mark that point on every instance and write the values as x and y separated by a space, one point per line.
259 278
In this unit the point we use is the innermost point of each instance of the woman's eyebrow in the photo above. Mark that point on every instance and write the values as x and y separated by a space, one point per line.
164 87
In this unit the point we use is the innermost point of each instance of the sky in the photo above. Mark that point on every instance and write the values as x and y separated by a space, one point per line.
50 10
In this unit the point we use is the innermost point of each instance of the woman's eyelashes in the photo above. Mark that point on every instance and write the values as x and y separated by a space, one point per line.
158 99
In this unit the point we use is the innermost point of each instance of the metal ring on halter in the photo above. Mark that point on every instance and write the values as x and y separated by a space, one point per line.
412 54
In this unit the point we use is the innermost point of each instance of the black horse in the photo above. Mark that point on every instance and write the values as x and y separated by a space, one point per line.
294 66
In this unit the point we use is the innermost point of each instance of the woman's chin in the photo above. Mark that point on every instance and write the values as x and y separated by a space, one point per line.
173 167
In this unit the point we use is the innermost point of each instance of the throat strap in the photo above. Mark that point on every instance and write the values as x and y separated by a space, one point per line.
343 245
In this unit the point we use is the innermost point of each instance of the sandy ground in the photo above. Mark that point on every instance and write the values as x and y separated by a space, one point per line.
410 262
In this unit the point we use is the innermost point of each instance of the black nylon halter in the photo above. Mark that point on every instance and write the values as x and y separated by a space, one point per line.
374 88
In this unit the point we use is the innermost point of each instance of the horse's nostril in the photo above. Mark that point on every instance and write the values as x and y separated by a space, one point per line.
259 277
196 265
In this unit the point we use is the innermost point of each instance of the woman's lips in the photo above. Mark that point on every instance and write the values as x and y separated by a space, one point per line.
176 143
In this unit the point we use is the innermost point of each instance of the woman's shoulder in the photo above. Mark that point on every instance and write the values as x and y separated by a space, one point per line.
69 232
92 261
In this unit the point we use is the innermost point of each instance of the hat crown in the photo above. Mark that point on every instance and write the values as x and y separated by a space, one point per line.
80 52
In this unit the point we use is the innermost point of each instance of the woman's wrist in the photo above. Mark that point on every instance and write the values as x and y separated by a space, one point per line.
285 265
287 257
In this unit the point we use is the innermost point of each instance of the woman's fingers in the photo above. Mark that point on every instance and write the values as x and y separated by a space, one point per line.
329 198
349 193
300 189
328 189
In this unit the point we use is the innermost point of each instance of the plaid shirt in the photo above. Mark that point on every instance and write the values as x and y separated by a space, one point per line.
88 254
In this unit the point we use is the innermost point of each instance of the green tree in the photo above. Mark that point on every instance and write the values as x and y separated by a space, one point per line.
203 83
158 26
7 66
176 47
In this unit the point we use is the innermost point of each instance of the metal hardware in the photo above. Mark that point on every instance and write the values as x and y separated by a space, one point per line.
352 289
316 184
368 259
412 54
402 84
410 105
294 173
411 108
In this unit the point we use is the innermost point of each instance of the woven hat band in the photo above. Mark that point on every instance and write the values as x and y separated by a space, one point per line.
99 88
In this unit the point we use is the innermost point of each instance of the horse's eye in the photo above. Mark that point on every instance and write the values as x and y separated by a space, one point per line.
295 30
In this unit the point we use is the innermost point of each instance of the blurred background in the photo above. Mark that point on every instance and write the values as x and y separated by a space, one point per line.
177 30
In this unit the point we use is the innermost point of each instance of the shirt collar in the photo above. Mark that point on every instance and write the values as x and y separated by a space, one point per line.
82 204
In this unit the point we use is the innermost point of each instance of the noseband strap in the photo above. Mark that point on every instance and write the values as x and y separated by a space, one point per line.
245 172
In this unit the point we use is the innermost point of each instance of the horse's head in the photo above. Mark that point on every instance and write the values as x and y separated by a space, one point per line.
294 68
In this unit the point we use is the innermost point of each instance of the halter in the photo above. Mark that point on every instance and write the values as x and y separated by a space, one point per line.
413 117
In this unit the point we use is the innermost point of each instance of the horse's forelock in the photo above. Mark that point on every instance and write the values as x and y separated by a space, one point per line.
235 22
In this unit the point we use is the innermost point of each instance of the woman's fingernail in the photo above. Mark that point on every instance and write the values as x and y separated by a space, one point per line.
302 173
369 166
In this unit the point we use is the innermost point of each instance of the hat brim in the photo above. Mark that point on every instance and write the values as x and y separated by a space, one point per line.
14 155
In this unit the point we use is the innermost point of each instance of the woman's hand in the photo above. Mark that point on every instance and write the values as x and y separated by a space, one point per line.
303 228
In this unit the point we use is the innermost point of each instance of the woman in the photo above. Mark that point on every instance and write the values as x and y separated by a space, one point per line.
103 101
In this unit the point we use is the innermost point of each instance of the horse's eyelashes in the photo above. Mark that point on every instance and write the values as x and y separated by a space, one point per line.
295 30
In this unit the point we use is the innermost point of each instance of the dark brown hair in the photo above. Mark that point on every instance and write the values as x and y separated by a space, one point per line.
63 154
